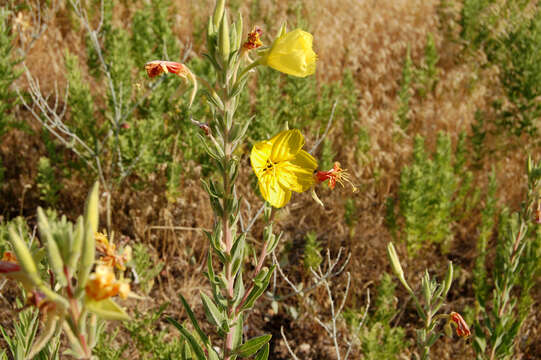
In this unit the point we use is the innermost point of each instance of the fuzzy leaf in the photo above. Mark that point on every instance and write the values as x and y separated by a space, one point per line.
106 309
250 347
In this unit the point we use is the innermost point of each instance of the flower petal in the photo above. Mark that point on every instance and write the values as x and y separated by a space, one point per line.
298 173
286 145
260 155
273 192
292 54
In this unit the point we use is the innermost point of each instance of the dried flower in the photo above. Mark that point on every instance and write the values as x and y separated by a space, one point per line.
281 167
254 40
9 256
158 67
335 175
111 257
462 328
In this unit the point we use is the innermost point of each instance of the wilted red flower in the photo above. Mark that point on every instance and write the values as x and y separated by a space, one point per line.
537 216
336 174
8 267
254 40
158 67
462 328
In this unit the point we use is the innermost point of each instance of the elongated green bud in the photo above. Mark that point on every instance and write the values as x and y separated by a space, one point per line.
218 13
239 26
77 245
55 258
24 257
223 38
397 268
448 280
89 242
233 38
427 291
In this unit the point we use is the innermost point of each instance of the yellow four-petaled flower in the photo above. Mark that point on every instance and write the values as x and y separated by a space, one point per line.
281 167
292 54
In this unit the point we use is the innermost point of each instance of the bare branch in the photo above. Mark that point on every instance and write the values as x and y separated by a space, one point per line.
287 344
329 123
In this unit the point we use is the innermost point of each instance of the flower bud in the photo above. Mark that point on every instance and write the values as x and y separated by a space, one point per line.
292 54
218 13
223 39
24 257
91 218
448 280
395 264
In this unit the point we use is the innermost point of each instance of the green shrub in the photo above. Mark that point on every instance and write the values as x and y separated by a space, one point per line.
312 252
47 183
426 194
379 338
501 315
146 267
8 74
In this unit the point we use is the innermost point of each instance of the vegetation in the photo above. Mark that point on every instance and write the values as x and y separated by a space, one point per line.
430 106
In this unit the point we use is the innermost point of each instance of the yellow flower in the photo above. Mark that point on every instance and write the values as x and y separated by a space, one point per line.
292 54
103 284
281 167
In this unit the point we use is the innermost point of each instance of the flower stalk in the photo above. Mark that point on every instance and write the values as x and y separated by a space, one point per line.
433 298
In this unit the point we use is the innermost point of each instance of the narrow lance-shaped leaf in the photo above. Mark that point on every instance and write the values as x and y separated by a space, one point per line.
190 338
202 335
250 347
263 354
214 315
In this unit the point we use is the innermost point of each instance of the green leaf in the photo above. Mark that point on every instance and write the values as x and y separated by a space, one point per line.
250 347
263 354
204 338
106 309
191 339
214 315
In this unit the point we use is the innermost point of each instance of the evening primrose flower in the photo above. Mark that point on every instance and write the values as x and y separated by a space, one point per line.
292 54
281 166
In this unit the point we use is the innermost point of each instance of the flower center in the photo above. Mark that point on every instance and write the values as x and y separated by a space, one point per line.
269 166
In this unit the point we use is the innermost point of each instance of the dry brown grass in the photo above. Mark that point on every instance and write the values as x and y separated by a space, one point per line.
368 37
